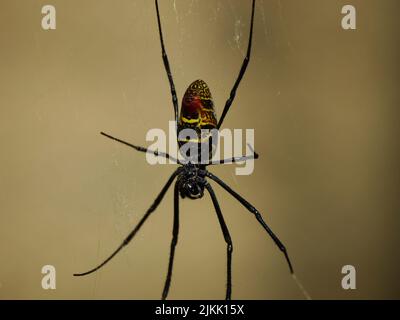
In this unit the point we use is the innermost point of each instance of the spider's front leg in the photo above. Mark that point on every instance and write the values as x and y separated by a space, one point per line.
242 70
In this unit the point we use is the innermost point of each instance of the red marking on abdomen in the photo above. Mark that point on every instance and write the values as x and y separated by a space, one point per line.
191 109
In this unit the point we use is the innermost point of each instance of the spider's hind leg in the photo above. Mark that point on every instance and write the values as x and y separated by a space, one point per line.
256 213
130 236
175 232
228 240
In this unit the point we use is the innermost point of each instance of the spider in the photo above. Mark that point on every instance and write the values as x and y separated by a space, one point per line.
197 112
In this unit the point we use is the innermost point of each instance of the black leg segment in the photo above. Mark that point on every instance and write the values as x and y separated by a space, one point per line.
242 71
138 226
257 214
175 233
141 149
228 240
167 67
253 156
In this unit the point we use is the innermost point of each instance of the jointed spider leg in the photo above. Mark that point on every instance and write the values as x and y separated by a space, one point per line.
167 67
232 160
139 225
236 159
142 149
241 73
257 214
175 232
228 240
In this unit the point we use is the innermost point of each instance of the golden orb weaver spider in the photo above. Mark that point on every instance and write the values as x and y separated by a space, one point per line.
197 111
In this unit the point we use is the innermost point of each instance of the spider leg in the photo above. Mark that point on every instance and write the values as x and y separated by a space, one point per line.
142 149
175 232
139 225
236 159
228 240
241 73
257 214
167 67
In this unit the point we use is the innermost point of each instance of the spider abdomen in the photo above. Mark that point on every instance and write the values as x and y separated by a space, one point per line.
198 114
197 109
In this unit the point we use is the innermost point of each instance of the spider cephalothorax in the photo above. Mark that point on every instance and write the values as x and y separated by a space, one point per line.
197 113
191 181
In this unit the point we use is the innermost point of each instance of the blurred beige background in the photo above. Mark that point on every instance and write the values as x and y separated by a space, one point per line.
324 105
